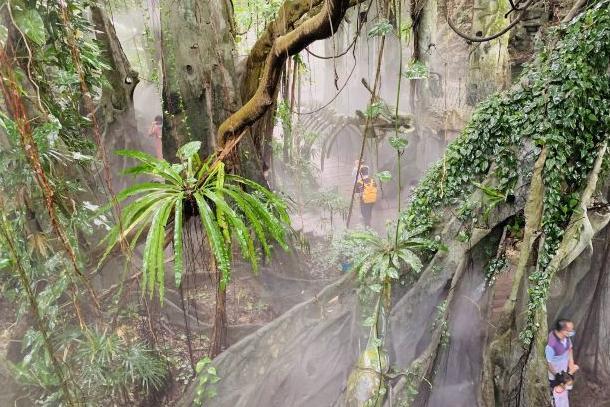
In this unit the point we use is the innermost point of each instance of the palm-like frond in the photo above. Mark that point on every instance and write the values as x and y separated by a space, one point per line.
376 259
231 209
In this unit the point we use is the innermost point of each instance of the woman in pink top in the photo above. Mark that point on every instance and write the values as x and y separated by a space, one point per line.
155 132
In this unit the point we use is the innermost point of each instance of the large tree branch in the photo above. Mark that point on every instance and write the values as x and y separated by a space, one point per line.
287 17
574 11
322 25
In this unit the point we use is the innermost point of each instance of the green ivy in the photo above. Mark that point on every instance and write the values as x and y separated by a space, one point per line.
380 29
206 379
562 101
494 268
416 70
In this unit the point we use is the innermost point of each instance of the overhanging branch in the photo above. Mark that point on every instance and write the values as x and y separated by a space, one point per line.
322 25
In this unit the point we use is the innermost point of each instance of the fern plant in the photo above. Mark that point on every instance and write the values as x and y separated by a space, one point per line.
231 209
377 259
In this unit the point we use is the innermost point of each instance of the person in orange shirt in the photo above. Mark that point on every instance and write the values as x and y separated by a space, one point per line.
367 188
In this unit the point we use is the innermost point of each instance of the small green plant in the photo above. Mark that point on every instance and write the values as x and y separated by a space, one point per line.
381 28
441 323
413 379
384 176
206 378
494 268
398 144
374 110
107 367
516 227
416 70
331 201
377 260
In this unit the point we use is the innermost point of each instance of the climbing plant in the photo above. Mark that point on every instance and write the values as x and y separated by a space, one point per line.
562 102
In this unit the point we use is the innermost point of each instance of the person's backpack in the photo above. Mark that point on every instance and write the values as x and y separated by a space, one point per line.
369 191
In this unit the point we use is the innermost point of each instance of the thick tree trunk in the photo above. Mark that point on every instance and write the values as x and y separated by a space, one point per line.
489 62
116 114
199 81
199 91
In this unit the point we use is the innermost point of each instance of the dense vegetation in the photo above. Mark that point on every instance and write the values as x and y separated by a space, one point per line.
538 148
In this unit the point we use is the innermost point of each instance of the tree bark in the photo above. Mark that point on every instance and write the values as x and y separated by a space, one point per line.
489 62
219 331
116 113
199 81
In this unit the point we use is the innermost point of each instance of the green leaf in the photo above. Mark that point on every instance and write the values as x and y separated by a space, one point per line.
381 28
384 176
138 169
370 321
490 191
188 150
463 236
10 127
374 110
272 224
31 24
239 228
153 267
152 166
4 263
411 259
150 255
202 363
244 206
405 31
279 206
141 188
216 241
160 271
375 287
393 272
398 143
416 70
178 255
276 219
134 213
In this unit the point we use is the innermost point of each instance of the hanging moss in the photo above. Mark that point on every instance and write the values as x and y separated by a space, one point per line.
562 101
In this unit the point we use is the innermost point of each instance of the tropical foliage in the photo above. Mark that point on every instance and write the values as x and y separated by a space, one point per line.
561 103
231 208
103 366
377 259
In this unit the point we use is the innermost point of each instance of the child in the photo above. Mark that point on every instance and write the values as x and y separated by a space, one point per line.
357 163
561 386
